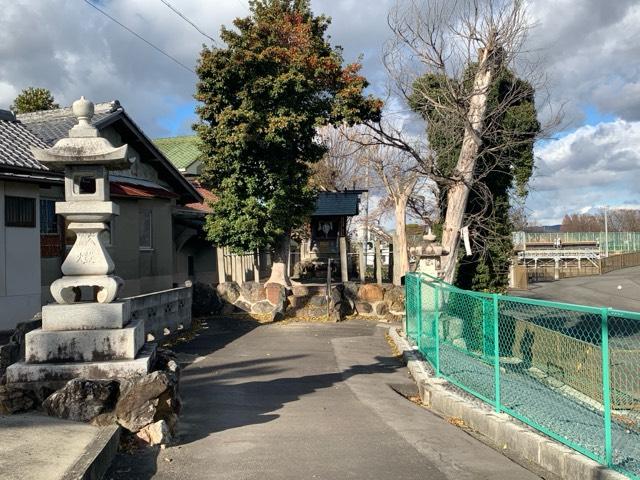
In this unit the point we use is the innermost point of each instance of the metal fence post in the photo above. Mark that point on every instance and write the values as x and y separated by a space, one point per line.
419 302
436 327
606 387
407 301
496 351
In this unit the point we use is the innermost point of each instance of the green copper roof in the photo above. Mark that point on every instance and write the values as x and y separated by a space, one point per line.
181 151
337 203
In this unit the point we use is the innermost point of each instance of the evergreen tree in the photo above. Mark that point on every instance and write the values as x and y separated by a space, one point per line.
504 166
263 96
34 99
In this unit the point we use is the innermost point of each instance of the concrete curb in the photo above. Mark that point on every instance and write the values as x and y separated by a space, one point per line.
500 428
97 457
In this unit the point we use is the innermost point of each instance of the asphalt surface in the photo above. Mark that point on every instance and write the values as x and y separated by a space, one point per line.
301 401
619 289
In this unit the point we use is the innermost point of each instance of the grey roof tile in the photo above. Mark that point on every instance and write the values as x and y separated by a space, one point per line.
52 125
15 146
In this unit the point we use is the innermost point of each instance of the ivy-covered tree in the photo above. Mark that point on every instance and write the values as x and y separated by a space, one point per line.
34 99
263 96
502 171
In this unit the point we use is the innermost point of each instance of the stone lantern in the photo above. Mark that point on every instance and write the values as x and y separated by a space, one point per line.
429 255
87 332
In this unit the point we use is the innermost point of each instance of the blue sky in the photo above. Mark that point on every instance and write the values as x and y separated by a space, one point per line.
588 50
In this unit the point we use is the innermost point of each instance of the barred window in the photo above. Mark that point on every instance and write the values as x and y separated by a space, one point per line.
20 212
146 227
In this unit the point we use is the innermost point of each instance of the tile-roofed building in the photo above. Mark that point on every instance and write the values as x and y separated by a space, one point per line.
153 241
182 151
15 144
110 118
52 125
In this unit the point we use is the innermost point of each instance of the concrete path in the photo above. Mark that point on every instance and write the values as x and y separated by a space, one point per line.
302 401
37 447
597 291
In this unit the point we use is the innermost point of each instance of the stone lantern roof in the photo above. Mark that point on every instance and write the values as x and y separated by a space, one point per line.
84 146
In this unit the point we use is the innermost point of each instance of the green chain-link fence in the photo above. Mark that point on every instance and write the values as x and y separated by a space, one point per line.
570 371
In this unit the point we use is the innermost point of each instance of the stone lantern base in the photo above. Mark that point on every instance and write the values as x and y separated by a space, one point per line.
88 340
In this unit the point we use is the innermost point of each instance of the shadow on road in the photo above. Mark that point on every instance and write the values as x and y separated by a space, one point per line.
217 399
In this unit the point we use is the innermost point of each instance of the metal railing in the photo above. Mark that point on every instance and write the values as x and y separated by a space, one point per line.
618 241
569 371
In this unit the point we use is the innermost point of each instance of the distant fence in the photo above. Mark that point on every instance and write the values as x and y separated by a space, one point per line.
618 241
617 262
569 371
164 313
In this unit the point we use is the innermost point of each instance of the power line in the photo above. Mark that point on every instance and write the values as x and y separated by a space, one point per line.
181 15
140 37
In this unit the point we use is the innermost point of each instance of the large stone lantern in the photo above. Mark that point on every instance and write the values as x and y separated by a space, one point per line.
85 158
87 332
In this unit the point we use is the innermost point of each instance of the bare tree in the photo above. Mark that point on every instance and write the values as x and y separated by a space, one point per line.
339 169
397 172
462 44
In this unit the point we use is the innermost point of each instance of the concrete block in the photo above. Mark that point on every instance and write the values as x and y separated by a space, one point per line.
579 467
56 373
527 444
552 455
85 316
84 345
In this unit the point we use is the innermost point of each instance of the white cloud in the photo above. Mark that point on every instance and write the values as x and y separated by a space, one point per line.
593 166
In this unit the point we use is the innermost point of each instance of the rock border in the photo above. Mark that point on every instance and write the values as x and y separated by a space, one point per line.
500 428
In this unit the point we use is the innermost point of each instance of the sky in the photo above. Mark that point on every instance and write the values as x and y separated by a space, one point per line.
588 50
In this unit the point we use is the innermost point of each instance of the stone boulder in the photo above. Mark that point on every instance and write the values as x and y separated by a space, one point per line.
350 290
394 296
339 304
371 292
82 400
148 399
275 293
263 307
242 306
15 400
253 291
157 433
363 307
228 291
381 308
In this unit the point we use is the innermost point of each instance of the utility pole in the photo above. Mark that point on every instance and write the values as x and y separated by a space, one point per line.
366 220
606 232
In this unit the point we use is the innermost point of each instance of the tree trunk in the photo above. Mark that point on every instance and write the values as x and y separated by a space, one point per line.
280 262
400 253
458 194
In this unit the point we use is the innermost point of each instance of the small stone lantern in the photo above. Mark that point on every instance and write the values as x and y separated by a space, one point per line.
429 255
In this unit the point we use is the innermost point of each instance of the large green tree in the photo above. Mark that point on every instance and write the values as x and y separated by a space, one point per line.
502 171
263 96
34 99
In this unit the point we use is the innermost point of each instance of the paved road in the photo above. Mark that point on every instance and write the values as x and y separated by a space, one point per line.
302 401
598 291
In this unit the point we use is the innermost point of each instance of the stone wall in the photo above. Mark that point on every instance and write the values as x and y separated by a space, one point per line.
164 313
384 301
264 302
268 302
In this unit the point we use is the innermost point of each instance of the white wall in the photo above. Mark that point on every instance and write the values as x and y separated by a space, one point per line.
19 262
